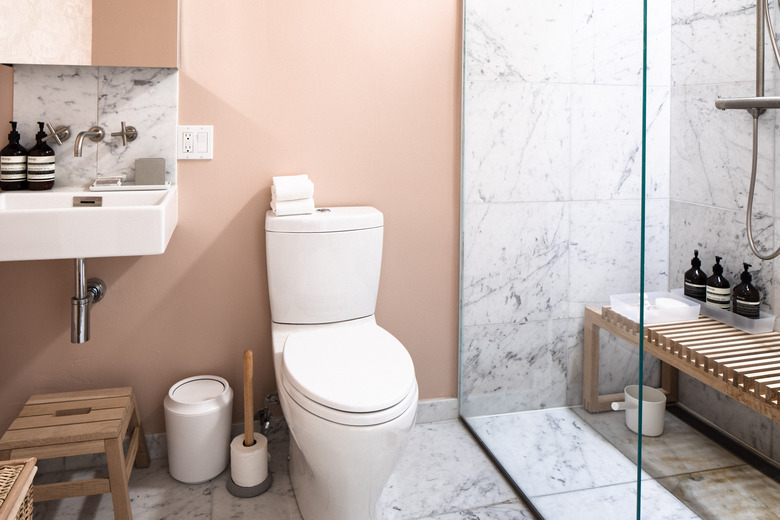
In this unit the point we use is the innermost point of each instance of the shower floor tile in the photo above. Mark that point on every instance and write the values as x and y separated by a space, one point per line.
550 455
737 492
618 501
681 449
553 451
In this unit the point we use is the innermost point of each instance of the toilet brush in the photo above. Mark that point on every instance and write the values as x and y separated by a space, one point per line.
249 475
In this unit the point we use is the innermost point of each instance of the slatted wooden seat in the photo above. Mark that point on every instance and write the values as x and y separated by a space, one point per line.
746 367
79 423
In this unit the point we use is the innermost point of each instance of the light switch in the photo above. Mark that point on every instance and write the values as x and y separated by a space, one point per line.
202 143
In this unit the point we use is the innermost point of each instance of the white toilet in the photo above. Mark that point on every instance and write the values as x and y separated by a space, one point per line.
347 386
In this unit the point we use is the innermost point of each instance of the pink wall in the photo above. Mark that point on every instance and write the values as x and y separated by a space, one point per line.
362 96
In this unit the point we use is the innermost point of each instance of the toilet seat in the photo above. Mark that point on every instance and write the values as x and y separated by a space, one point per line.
357 375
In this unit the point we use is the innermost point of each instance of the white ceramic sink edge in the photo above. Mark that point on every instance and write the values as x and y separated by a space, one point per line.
44 225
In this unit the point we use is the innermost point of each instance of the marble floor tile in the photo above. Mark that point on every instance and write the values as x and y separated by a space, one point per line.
738 492
513 510
680 449
153 494
615 502
442 470
559 452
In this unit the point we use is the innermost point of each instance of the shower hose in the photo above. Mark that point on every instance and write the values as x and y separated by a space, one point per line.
756 112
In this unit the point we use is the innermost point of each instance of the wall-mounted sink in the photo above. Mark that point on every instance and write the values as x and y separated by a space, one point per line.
78 223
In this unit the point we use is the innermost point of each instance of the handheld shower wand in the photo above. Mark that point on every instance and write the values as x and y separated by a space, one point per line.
762 16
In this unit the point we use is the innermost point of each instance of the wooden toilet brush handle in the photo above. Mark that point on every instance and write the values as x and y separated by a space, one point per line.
249 423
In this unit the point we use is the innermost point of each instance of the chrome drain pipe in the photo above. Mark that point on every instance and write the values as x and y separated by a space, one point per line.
87 292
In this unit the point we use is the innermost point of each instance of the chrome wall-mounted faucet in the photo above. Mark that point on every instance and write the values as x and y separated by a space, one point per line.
59 134
128 134
95 134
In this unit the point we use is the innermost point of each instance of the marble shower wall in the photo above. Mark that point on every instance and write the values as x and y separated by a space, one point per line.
713 55
552 191
81 97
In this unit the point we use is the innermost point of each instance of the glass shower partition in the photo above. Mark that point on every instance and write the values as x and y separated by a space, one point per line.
592 168
552 223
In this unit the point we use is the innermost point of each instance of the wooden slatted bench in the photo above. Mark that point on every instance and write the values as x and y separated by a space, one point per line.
745 367
79 423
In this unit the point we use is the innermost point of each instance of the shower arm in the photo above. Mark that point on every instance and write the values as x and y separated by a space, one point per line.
760 102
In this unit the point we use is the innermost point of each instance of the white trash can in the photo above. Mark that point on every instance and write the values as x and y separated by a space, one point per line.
198 412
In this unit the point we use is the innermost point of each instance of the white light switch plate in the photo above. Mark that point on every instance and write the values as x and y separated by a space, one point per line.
195 142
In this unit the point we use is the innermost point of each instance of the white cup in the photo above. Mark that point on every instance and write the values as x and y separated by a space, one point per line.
653 408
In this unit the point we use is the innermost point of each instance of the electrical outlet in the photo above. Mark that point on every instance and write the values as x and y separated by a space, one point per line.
195 142
187 145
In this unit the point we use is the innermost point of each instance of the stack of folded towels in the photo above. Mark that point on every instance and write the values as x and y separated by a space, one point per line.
292 195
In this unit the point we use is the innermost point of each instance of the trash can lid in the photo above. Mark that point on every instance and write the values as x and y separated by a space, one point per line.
199 394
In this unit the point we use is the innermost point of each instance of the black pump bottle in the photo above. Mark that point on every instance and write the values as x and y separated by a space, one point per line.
718 288
13 163
695 280
746 299
40 163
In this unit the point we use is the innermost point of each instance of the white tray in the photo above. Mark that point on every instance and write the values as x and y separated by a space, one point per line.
670 308
764 323
129 186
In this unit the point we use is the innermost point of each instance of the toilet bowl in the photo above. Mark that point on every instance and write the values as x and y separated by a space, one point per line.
349 416
347 386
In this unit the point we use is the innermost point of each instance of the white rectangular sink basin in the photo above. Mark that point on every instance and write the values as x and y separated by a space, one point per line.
78 223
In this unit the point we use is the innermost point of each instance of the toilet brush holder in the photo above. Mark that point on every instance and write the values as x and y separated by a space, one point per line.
249 475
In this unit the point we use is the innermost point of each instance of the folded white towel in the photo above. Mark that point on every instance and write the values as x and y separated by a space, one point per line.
283 208
292 187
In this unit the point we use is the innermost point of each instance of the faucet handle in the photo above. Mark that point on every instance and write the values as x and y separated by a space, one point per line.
128 134
59 134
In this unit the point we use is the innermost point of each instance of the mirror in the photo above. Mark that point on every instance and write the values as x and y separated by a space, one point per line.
141 33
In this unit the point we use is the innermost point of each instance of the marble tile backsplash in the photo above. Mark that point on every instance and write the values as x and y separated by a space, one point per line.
81 97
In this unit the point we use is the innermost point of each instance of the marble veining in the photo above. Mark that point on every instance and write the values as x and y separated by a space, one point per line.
552 186
685 474
443 473
81 97
515 262
513 367
560 453
616 501
515 153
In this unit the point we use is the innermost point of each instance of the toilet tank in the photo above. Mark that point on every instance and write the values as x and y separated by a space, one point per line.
323 267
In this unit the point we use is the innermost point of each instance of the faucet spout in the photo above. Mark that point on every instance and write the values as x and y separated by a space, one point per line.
95 134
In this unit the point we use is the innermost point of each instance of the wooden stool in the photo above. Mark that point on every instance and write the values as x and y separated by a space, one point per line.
79 423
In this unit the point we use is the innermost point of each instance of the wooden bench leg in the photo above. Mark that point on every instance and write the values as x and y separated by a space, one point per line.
669 382
142 456
590 363
120 495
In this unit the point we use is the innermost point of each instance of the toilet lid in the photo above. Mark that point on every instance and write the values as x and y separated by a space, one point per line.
352 368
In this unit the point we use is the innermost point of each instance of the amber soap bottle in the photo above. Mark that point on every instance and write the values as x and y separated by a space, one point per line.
746 298
40 163
695 280
718 288
13 163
